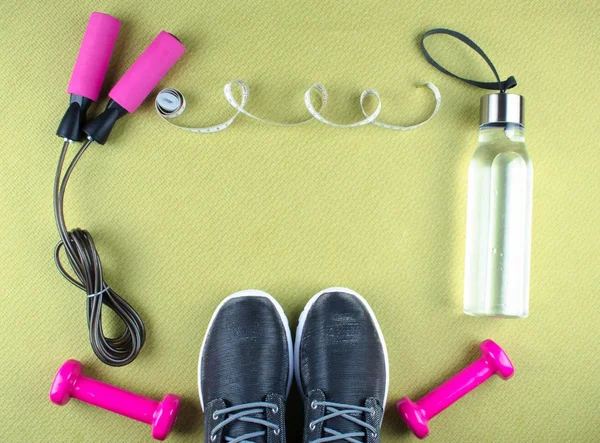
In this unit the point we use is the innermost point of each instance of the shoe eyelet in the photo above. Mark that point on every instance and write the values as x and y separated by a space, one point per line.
213 438
311 426
313 404
275 410
277 431
373 412
215 416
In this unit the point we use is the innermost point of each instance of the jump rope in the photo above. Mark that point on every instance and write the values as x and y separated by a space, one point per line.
125 97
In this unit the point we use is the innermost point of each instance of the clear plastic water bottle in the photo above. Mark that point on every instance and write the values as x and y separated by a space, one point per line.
499 213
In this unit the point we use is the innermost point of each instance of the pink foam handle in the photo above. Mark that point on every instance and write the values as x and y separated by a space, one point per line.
147 71
94 55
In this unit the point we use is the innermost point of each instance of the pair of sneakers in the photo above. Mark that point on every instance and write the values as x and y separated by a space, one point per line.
247 364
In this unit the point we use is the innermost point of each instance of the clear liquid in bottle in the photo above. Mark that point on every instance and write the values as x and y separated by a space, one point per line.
498 247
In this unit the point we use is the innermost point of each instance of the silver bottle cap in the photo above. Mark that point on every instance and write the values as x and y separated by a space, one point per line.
502 108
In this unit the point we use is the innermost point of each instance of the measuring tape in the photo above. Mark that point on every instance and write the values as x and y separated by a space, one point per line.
171 103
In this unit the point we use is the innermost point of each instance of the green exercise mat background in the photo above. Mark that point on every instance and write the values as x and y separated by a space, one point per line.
182 220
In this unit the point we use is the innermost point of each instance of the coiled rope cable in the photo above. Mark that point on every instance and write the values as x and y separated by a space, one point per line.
84 260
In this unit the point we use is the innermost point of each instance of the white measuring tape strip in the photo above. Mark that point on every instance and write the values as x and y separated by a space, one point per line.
171 103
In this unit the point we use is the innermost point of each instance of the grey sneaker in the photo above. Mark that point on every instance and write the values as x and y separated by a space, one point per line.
341 368
245 370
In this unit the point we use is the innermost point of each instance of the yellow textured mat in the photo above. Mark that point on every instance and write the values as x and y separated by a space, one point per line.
182 220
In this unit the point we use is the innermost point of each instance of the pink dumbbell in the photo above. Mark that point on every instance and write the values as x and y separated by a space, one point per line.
69 382
493 361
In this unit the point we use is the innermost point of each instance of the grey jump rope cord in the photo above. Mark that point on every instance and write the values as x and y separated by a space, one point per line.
83 258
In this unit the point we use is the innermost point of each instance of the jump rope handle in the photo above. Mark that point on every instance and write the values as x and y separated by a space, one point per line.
136 84
88 73
129 92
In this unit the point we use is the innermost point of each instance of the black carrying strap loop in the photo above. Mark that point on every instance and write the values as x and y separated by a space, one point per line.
500 85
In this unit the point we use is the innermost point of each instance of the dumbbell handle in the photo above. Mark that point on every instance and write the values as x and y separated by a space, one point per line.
493 361
114 399
70 382
461 384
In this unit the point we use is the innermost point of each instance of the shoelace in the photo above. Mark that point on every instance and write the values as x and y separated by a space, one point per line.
243 413
346 411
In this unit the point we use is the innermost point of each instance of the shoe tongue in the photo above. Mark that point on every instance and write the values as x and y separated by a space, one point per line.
343 425
239 428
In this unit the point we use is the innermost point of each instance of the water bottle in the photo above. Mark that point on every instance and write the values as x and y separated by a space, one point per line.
498 245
